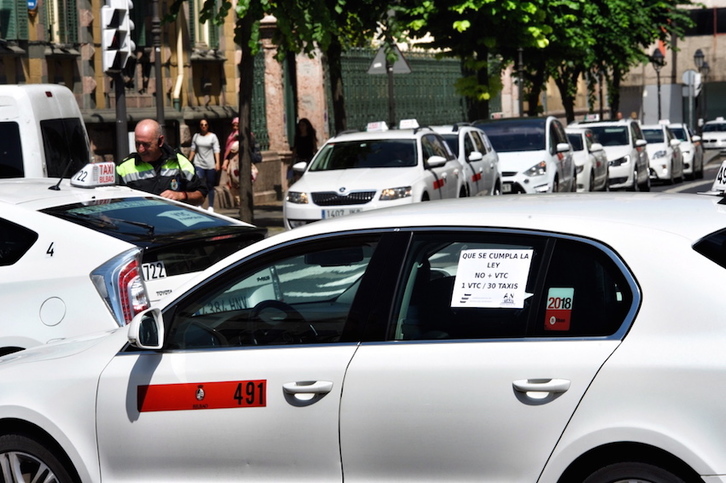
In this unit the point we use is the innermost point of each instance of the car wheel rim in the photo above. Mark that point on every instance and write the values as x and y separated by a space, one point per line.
17 467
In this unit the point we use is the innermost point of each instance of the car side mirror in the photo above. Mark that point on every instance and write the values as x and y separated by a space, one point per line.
435 162
640 143
594 147
675 142
695 139
299 167
563 147
475 156
146 330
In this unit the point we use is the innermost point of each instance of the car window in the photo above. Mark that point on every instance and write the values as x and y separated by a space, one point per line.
11 154
653 135
302 297
515 136
469 146
15 241
381 153
715 127
679 133
452 140
507 286
65 146
576 141
432 145
479 144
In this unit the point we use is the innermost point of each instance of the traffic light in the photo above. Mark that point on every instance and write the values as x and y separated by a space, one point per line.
116 29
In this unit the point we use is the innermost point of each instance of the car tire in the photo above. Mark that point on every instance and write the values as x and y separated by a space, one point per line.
671 180
26 457
556 185
463 192
633 472
591 186
497 190
635 186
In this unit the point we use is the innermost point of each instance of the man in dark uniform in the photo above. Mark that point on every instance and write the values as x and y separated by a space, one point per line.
156 168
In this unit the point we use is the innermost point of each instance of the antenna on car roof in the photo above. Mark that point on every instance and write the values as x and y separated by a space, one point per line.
56 187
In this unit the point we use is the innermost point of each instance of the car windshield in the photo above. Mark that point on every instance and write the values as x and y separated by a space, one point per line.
515 136
576 141
372 153
654 135
610 135
452 140
715 127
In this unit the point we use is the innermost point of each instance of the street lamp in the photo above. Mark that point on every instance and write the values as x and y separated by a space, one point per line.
658 61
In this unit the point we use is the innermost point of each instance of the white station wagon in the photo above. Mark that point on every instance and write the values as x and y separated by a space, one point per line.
509 338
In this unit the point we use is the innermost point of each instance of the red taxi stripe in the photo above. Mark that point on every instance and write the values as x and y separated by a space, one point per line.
206 395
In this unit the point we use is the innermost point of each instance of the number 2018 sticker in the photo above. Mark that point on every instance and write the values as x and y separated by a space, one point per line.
558 312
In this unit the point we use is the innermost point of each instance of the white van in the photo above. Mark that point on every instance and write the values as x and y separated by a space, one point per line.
41 132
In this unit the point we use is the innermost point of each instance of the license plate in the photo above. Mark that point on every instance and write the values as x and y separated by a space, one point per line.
506 188
340 212
153 270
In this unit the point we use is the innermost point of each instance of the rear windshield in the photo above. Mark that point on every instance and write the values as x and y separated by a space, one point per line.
713 247
184 239
379 153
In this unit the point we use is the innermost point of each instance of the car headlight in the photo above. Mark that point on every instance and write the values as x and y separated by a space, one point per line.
619 161
389 194
297 197
538 169
659 154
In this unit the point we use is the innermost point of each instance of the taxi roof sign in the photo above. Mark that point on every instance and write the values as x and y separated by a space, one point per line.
378 126
408 124
95 174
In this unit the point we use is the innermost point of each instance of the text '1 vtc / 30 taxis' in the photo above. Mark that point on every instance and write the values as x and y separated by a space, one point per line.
506 338
379 168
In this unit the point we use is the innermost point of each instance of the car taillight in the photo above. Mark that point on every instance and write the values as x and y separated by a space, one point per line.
121 286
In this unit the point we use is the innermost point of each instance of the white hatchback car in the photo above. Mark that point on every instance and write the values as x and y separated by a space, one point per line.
713 134
691 149
624 145
479 161
534 154
590 160
664 153
55 247
532 339
363 171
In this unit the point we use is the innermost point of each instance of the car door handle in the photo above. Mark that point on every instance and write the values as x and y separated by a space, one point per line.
541 385
308 387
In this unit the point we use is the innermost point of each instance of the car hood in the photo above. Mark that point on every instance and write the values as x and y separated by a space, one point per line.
347 180
518 161
615 152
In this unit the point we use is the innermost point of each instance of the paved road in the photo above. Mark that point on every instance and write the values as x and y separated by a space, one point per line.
713 161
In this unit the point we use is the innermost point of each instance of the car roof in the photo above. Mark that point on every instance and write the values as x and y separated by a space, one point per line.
604 215
37 193
376 135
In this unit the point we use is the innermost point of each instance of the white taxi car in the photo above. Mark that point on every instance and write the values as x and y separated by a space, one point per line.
55 247
534 154
479 161
532 339
379 168
664 153
713 134
591 162
691 149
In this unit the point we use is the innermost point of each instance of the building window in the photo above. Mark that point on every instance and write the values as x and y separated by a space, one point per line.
204 35
708 21
61 21
13 25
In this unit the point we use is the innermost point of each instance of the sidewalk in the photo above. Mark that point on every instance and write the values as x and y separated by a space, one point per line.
267 215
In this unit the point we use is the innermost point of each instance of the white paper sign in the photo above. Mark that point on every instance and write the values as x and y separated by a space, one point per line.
492 278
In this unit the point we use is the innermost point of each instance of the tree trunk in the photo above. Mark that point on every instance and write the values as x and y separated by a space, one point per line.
246 74
335 70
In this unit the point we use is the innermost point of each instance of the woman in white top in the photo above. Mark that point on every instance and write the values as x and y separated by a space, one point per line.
205 156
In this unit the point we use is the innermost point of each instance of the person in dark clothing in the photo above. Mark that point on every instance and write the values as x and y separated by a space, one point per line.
157 168
306 141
